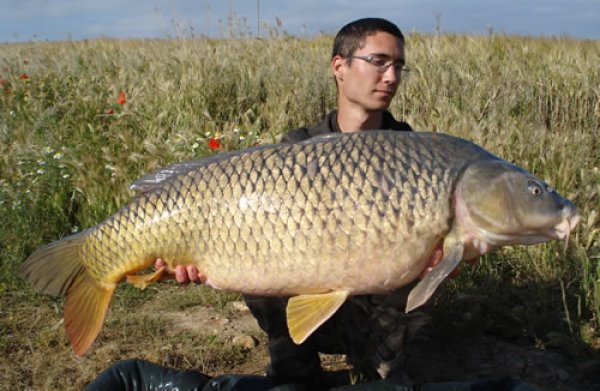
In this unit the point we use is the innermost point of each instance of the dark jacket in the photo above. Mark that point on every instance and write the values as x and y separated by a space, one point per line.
360 329
330 125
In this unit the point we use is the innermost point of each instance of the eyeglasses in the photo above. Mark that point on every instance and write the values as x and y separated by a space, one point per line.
382 63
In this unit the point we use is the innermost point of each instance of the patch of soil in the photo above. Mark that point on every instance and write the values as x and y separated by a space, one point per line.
233 324
207 321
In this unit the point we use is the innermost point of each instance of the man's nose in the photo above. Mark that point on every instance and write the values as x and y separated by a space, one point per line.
391 76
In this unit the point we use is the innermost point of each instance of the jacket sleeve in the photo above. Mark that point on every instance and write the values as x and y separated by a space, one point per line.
405 127
295 135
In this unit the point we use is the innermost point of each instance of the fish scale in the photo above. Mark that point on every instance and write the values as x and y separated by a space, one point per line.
319 220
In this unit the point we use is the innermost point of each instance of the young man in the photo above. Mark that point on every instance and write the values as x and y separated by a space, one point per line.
367 62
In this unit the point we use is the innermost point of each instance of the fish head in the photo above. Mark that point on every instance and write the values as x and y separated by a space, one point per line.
501 204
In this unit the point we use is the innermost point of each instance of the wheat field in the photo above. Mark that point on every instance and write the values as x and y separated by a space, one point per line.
79 121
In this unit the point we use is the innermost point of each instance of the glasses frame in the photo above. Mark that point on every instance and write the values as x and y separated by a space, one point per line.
384 67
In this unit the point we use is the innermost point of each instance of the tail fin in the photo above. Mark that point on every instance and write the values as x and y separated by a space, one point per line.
58 269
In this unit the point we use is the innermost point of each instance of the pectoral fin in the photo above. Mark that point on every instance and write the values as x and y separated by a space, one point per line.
453 252
305 313
142 281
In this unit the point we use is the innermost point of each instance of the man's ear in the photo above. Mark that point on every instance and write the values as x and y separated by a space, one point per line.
338 67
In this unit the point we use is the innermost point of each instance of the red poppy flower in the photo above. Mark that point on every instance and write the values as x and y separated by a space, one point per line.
23 76
214 143
109 111
121 99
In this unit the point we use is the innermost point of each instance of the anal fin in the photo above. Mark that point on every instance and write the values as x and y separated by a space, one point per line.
142 281
305 313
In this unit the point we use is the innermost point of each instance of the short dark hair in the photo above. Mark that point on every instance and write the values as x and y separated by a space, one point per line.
353 35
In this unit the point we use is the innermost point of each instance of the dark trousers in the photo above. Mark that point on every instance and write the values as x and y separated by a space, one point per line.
138 375
370 330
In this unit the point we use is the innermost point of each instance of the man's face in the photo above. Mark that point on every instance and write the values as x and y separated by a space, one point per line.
362 82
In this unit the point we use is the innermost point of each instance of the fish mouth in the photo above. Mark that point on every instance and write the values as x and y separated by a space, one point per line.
563 229
560 231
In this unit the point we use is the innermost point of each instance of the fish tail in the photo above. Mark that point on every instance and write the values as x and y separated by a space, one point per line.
58 269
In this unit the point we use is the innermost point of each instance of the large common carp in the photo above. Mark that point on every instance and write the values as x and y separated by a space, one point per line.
320 220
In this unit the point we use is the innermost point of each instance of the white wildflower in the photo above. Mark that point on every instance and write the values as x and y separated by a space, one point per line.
58 156
40 171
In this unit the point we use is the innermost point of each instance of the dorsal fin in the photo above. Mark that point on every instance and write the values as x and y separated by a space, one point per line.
152 180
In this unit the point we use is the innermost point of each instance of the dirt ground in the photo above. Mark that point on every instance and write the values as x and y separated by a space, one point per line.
471 346
466 339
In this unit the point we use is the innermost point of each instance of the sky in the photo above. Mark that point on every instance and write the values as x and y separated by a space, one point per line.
42 20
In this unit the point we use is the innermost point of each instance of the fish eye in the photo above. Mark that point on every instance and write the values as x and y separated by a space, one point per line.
534 188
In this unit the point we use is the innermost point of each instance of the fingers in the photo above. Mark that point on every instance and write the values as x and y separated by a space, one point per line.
189 273
183 274
192 273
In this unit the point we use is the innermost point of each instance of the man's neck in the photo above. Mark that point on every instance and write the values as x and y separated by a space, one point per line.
354 121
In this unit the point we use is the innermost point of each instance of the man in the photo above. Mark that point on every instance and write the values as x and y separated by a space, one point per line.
367 62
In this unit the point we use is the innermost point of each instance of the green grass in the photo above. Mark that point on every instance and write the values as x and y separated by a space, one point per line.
65 163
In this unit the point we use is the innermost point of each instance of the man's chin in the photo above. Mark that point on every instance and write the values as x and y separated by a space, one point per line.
379 107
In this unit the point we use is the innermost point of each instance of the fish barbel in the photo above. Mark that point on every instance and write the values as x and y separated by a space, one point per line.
318 221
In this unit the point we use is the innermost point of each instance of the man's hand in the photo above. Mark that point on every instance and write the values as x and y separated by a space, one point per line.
183 274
